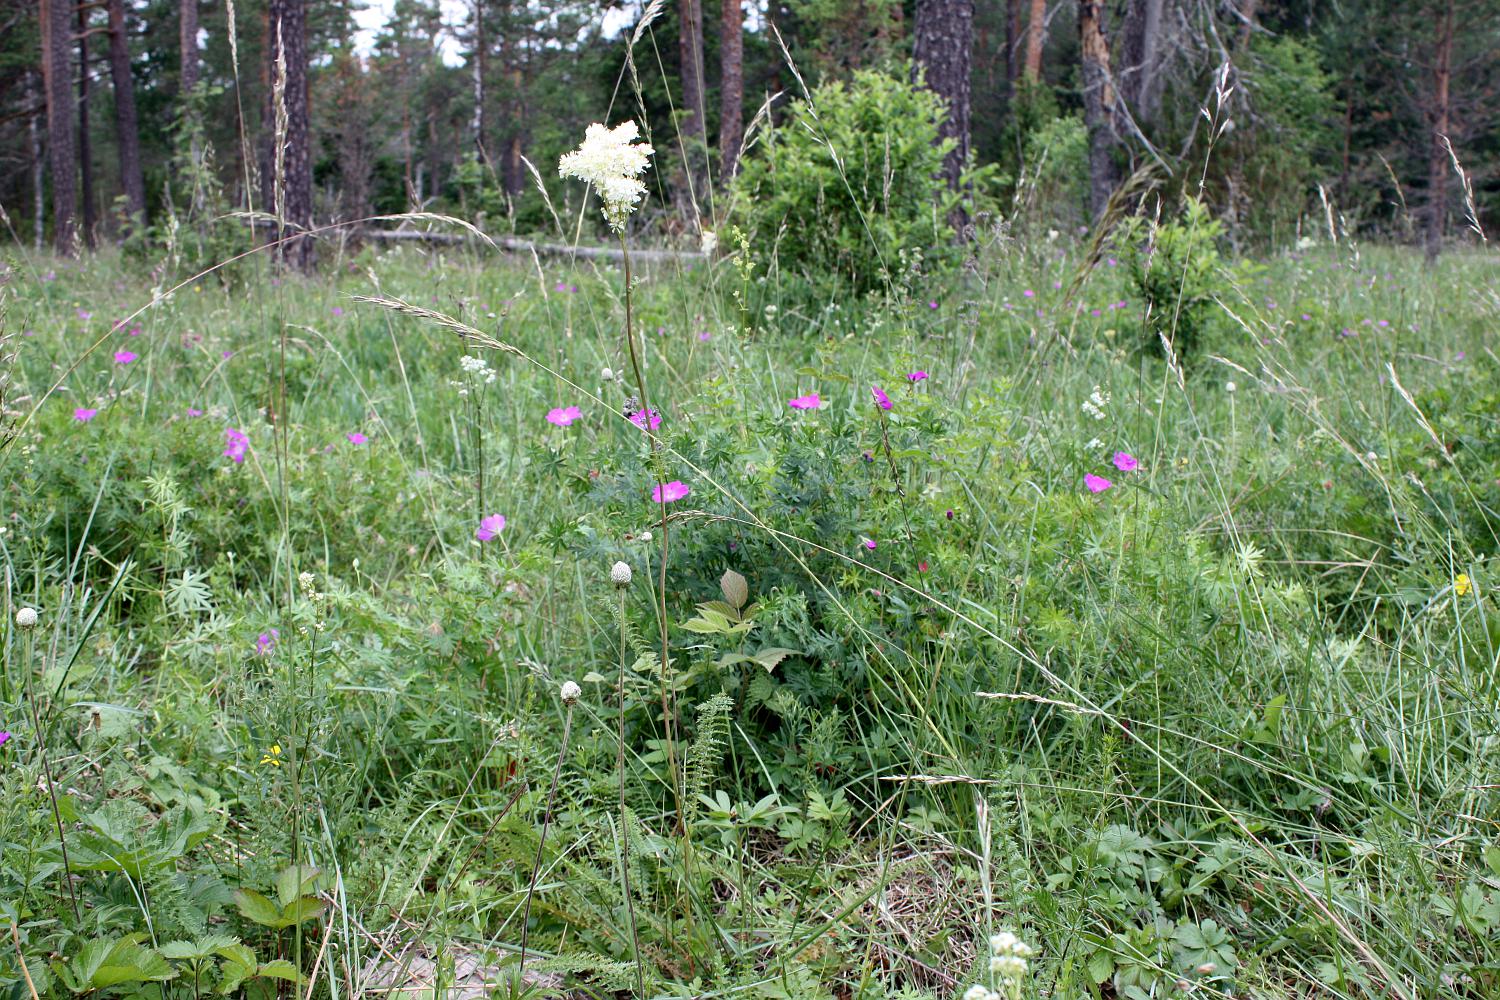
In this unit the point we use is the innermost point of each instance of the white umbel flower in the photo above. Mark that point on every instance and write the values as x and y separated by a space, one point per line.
570 693
620 574
26 617
612 161
709 241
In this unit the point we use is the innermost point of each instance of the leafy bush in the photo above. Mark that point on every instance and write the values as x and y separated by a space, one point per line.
850 179
1176 268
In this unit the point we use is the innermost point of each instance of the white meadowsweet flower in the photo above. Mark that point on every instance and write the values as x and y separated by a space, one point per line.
570 692
710 242
612 162
620 574
976 992
26 617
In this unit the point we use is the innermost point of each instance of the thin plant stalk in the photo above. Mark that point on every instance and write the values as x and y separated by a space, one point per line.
635 941
541 845
41 743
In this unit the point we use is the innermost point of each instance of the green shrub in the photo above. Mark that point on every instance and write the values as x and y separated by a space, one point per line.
1176 269
850 179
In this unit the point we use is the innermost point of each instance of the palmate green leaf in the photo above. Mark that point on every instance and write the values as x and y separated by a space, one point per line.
257 908
280 969
294 881
302 910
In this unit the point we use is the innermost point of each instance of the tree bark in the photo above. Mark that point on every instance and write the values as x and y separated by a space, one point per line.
127 127
1437 156
187 43
38 164
1012 44
693 129
1098 104
85 146
1036 32
942 49
731 87
57 72
1141 55
480 69
288 45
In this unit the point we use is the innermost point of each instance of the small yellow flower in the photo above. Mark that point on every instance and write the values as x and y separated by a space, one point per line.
1461 584
273 755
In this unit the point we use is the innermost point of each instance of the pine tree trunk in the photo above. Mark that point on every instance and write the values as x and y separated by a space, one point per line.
187 44
690 48
289 44
38 163
480 68
1098 103
1012 44
1036 32
1140 54
1437 156
85 146
731 87
127 128
57 77
942 49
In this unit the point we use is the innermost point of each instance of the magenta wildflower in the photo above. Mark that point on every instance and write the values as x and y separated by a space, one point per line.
1029 294
705 336
1096 484
668 492
194 412
337 310
870 544
932 305
639 418
489 527
562 416
85 413
356 438
916 376
4 738
1125 462
85 314
881 399
266 641
809 402
125 357
236 444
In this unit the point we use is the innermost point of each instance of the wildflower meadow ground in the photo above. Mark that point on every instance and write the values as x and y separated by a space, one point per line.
411 629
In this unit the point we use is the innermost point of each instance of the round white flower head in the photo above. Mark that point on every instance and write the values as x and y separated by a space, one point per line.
710 242
26 617
570 693
620 574
1002 943
612 162
976 992
608 374
1230 387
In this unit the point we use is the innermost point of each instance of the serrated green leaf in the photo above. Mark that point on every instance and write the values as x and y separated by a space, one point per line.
257 908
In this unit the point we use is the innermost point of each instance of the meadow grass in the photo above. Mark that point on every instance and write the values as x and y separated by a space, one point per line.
1227 726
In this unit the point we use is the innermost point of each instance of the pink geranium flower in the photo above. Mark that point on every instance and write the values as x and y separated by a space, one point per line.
1096 484
236 444
870 544
917 376
489 527
265 642
881 399
4 738
562 416
640 416
125 357
668 492
809 402
85 413
193 411
1125 462
356 438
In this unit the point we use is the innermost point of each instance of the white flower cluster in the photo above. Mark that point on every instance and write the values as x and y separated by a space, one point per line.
620 574
1095 404
612 162
1008 955
570 692
26 617
477 367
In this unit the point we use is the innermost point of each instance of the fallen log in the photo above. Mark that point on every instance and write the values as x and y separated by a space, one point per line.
514 243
